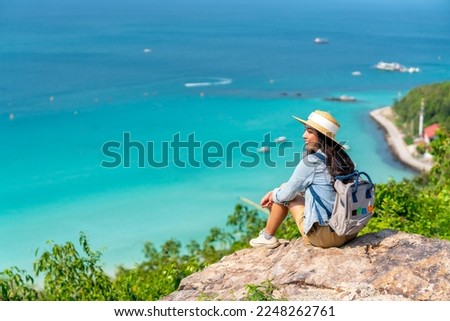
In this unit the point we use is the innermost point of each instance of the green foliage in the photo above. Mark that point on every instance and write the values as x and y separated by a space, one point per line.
67 276
421 148
159 274
71 276
440 147
437 106
261 292
408 140
420 205
16 285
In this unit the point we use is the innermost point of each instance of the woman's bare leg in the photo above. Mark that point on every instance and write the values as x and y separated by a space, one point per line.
277 215
297 209
279 212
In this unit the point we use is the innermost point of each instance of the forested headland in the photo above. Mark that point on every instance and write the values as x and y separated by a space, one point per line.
436 102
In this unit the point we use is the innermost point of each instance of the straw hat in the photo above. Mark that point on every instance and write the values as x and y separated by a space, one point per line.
322 122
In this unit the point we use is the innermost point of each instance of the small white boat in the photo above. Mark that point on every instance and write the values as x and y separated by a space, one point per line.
356 73
412 69
280 139
389 66
321 41
147 50
263 149
344 98
395 66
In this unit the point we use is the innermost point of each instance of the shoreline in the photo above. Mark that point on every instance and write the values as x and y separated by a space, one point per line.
395 141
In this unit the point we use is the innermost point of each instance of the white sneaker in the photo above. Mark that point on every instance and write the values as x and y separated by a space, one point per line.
261 241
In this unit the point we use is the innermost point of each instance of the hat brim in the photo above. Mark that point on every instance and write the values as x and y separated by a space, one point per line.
313 125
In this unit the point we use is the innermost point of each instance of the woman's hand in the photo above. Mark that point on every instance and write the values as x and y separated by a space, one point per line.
267 200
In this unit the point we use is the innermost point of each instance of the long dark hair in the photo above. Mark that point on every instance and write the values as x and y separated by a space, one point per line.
338 161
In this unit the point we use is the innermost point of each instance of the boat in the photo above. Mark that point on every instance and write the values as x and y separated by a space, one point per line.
356 73
320 41
280 139
412 69
389 66
395 66
344 98
263 149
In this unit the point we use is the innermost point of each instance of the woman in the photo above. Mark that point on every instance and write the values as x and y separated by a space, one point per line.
325 158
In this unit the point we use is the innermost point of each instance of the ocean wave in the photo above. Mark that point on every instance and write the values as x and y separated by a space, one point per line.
215 82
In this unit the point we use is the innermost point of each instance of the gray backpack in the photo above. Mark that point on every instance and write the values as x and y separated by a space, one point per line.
354 204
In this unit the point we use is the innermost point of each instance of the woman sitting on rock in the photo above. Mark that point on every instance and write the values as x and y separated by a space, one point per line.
325 158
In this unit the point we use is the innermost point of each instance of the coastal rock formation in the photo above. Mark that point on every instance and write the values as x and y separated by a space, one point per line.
388 265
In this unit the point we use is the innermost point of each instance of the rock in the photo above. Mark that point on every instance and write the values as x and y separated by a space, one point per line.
388 265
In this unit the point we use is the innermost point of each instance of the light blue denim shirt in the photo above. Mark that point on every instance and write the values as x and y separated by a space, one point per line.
310 171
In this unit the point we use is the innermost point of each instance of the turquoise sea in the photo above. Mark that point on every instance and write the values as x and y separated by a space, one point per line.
77 75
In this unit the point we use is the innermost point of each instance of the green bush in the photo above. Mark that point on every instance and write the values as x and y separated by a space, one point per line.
420 205
261 292
16 285
71 276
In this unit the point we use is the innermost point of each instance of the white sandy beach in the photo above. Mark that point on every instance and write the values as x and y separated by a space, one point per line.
395 140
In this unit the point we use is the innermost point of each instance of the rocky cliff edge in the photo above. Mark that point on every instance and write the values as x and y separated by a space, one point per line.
388 265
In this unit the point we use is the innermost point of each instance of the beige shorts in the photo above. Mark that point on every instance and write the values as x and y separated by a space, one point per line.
321 236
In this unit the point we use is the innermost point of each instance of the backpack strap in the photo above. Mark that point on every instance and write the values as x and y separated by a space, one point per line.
314 194
348 176
355 177
317 199
370 187
320 156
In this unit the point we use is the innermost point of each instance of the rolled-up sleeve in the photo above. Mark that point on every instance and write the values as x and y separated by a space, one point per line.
300 179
